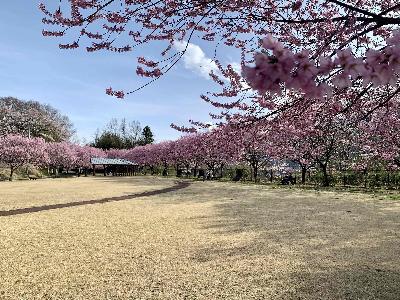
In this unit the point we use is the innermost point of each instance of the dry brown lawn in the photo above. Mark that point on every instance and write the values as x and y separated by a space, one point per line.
207 240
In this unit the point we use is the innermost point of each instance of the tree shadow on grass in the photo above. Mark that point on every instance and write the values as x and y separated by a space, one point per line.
179 185
133 180
311 248
361 282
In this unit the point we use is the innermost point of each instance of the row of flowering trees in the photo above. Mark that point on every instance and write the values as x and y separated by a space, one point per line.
322 137
17 151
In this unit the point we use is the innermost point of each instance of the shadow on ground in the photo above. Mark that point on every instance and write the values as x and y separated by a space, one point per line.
317 246
179 185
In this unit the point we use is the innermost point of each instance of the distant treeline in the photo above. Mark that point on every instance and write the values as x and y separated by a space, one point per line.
122 134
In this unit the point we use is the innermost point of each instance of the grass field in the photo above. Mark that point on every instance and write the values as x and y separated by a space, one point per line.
154 238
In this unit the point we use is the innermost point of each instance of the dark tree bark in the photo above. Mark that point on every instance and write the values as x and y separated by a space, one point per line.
255 171
165 171
195 171
11 174
303 175
325 176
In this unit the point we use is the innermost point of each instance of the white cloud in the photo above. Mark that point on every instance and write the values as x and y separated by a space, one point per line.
236 67
195 59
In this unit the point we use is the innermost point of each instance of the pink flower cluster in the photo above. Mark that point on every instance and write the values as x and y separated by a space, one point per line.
17 150
73 45
145 73
277 67
118 94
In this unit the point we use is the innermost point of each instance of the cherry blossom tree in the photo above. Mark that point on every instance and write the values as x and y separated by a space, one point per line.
190 152
254 146
318 71
293 143
381 134
152 155
17 151
138 155
319 135
307 45
116 153
378 142
62 155
83 156
218 149
278 66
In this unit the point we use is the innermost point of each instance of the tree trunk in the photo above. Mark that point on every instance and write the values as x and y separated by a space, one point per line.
365 178
165 170
195 171
11 174
388 179
255 172
271 174
187 166
178 171
303 175
325 178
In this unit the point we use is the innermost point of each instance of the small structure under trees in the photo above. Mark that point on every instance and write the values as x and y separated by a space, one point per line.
114 166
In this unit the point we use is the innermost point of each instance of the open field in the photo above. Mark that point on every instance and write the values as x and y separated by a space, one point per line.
154 238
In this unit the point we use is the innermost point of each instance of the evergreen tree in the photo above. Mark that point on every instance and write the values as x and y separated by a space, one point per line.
147 136
119 134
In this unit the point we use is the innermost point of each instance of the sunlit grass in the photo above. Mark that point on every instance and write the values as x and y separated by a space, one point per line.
211 240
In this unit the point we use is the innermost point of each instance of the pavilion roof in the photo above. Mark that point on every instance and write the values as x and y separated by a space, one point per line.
111 161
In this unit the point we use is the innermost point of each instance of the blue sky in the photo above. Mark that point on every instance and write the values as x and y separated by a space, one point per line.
33 68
